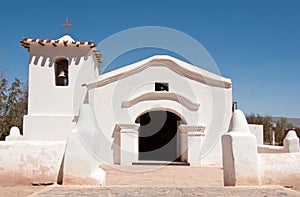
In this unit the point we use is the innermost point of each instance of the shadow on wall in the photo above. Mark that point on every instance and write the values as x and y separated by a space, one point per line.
51 61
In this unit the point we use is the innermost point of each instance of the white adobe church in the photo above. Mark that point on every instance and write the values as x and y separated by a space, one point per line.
158 109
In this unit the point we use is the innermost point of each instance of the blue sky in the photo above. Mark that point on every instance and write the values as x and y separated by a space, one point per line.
255 43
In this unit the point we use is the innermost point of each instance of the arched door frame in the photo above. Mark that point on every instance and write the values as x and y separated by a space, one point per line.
127 136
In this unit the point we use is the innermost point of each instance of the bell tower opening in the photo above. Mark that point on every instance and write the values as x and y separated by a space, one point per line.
61 72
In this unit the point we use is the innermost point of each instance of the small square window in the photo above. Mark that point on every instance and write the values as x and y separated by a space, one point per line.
161 86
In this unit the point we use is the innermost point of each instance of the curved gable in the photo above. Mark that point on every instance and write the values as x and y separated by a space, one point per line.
176 65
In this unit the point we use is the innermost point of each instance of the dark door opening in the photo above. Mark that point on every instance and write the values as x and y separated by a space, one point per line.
158 136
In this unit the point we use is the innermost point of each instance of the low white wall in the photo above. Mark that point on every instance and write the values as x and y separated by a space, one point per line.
270 149
30 161
282 169
290 145
242 165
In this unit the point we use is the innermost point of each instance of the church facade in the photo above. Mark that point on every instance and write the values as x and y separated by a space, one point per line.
157 109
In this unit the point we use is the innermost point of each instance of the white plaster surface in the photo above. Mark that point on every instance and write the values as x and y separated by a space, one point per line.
238 122
129 150
270 149
240 157
14 134
290 145
81 164
106 98
51 109
258 131
291 142
191 138
282 169
30 161
48 127
244 166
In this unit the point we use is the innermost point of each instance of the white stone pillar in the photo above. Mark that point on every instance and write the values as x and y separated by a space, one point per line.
191 139
14 134
240 157
273 138
183 145
291 142
129 144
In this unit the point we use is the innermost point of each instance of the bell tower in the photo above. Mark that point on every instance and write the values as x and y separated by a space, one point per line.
57 70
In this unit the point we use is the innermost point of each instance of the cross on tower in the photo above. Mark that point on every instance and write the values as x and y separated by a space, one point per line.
67 25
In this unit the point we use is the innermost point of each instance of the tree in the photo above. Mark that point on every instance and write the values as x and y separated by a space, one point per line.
13 105
3 98
281 124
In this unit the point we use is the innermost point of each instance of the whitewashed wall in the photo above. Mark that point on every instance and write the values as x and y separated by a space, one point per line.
279 168
30 161
52 109
243 165
258 131
214 112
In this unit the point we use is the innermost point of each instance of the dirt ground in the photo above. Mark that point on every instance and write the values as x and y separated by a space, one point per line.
19 190
12 185
167 176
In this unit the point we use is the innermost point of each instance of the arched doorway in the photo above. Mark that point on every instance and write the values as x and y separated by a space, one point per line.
158 136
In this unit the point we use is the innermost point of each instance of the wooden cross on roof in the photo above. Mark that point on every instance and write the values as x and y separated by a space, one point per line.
67 25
